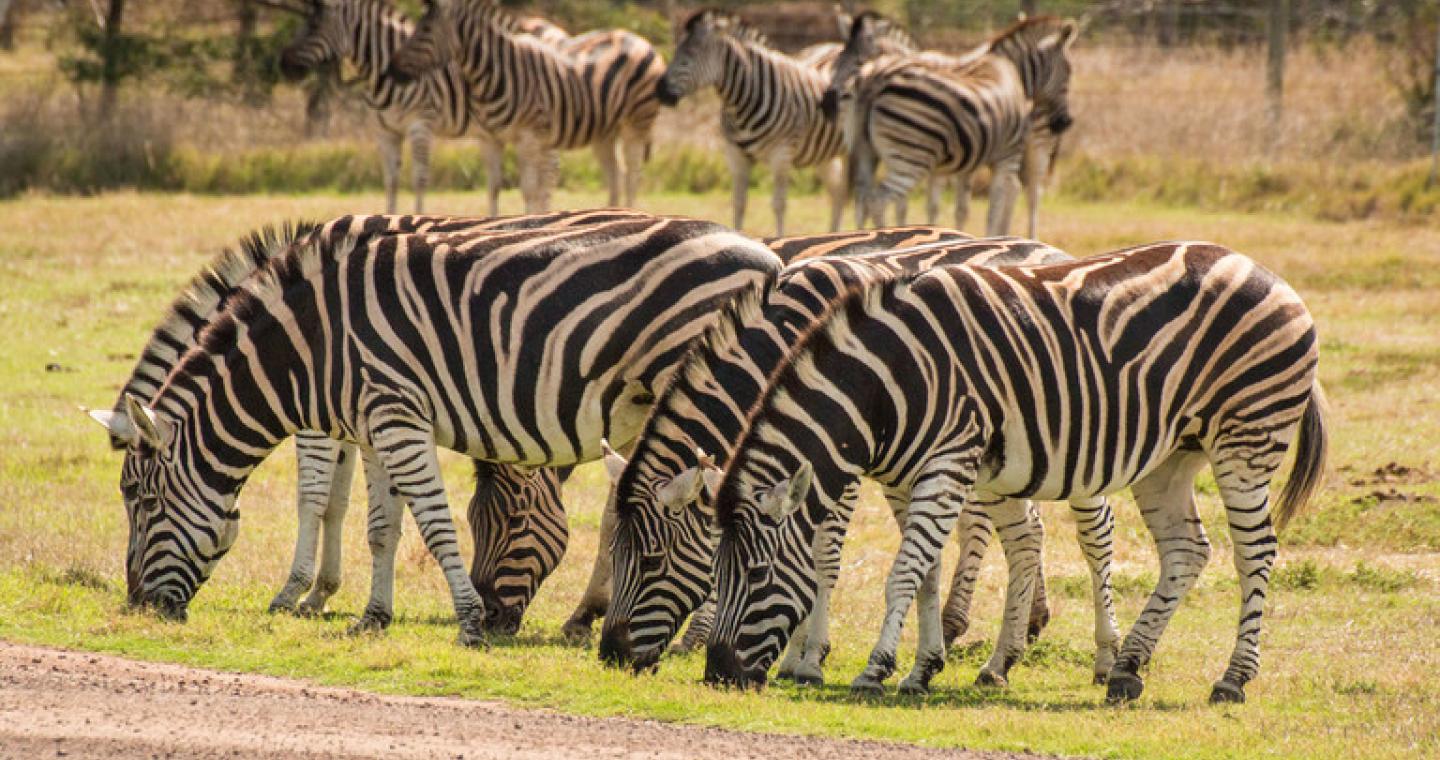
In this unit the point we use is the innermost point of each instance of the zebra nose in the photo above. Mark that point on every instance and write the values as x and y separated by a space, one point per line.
1060 122
665 93
292 69
830 104
723 668
615 645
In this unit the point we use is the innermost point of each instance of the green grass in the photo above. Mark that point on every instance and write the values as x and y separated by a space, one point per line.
1349 656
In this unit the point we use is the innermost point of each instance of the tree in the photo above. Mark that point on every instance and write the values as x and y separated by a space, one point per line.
112 49
1277 28
9 19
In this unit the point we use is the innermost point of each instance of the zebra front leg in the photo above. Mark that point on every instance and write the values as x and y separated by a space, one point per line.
785 671
780 179
739 183
1095 528
832 174
636 148
962 200
333 523
1166 499
597 592
493 153
1244 484
934 188
973 536
930 651
1004 187
1033 171
609 167
534 159
1039 599
420 139
935 504
701 620
390 165
1018 526
382 529
407 451
829 541
315 459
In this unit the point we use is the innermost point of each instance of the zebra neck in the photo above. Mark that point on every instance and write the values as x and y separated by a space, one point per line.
378 32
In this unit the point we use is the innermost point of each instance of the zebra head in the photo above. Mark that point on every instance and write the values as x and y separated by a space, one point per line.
1039 47
661 553
699 60
435 42
177 533
323 39
871 35
764 573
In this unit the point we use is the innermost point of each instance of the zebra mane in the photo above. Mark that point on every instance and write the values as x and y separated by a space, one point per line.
1033 28
738 27
746 308
208 293
293 263
861 298
890 29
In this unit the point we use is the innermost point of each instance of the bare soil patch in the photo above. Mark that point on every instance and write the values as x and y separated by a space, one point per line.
78 705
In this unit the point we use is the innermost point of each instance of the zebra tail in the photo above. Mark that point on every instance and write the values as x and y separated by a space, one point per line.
1310 450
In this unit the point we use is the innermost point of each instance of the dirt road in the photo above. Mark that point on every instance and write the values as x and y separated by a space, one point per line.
78 705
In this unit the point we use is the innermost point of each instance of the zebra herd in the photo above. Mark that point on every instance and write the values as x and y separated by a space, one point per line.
472 67
737 390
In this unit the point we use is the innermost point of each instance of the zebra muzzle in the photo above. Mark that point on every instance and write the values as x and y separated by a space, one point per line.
723 668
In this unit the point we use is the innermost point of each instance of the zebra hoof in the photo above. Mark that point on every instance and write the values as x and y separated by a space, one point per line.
1123 687
867 687
989 679
1100 679
280 605
308 609
368 625
808 679
1227 692
785 675
1038 620
911 688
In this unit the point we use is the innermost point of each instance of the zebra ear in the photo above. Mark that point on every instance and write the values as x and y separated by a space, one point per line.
684 489
785 497
117 424
711 474
614 463
1068 32
844 22
149 428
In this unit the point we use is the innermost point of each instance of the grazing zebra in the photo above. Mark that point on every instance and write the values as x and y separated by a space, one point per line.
599 94
663 547
366 33
922 119
871 35
771 107
1132 369
325 466
408 343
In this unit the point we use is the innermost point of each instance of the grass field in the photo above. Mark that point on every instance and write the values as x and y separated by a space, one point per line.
1350 656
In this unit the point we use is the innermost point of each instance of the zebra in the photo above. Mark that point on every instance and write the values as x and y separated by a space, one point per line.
325 467
871 35
523 347
601 95
366 34
921 118
771 106
663 546
1134 368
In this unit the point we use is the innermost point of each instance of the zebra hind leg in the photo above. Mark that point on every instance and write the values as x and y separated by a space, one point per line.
382 529
390 166
316 458
1020 536
930 649
420 137
1166 499
597 592
973 535
609 167
1095 528
337 504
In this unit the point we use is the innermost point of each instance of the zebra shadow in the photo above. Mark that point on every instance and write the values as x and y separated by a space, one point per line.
973 697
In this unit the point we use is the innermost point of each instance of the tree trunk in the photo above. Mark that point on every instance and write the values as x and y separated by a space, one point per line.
110 52
1278 27
1167 27
242 65
1435 136
9 16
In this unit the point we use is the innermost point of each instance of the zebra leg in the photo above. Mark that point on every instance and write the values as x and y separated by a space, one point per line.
1033 171
382 530
739 183
635 146
973 534
597 592
315 465
609 167
535 161
930 649
701 620
407 451
935 187
780 179
832 174
1004 186
794 653
829 540
420 139
1244 484
1095 528
1017 522
935 504
962 200
1039 599
328 582
493 152
1166 499
390 165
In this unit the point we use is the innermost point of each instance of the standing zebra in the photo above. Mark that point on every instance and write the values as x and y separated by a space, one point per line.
325 467
771 107
871 35
542 98
921 118
366 33
663 548
520 347
1130 369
